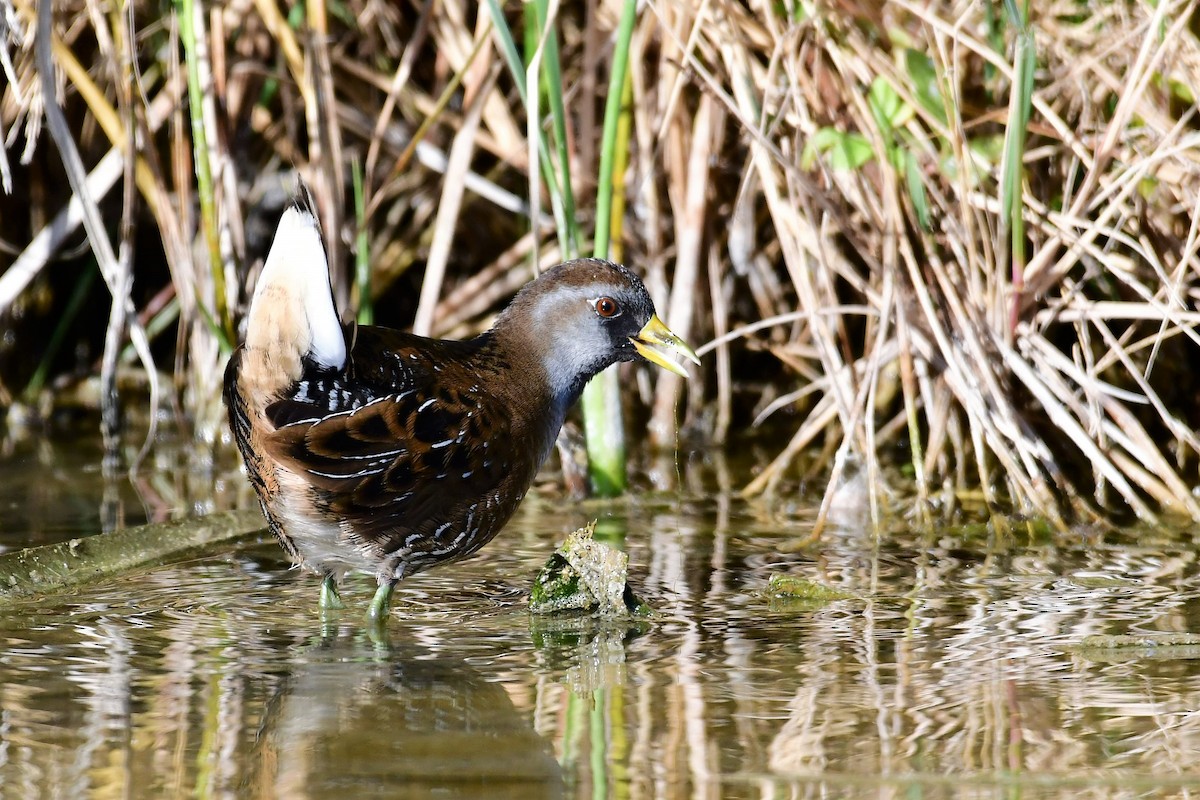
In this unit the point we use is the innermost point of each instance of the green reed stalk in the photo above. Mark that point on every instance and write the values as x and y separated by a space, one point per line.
362 249
1011 200
509 48
189 35
601 400
552 70
612 118
601 404
597 736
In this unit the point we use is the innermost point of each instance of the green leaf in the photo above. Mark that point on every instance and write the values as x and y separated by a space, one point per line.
851 152
818 143
916 189
889 110
845 151
926 85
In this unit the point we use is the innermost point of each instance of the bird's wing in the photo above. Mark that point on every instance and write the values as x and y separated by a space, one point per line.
400 461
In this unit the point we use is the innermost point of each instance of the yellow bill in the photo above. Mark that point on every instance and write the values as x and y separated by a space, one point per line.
656 343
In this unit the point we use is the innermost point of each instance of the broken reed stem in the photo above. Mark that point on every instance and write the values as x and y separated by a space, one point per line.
37 571
115 275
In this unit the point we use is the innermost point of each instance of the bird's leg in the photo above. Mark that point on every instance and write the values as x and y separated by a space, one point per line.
381 603
330 599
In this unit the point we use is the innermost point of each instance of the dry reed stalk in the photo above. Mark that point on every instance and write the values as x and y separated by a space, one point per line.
100 180
841 176
449 206
116 273
399 80
690 224
724 367
327 171
9 71
959 303
459 311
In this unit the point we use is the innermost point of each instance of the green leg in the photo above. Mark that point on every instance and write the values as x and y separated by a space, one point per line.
330 599
381 603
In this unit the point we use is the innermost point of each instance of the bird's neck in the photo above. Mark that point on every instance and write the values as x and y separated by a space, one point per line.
542 383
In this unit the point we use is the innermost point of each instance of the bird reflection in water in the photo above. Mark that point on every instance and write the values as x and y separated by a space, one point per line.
367 720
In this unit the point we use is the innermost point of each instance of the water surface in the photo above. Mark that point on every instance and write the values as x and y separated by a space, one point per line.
955 672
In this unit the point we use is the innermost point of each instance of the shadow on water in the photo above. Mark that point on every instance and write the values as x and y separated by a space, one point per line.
958 665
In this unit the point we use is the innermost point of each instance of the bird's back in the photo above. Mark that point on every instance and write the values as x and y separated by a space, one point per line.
409 455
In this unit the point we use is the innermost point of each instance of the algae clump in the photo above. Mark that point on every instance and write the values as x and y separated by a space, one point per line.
584 575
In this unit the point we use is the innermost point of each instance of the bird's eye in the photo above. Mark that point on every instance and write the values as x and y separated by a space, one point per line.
607 307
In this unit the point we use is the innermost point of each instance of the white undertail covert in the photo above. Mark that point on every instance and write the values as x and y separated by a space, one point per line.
293 302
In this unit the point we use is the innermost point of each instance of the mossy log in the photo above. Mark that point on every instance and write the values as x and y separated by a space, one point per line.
56 567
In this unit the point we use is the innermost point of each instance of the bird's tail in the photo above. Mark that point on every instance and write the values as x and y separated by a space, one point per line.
292 316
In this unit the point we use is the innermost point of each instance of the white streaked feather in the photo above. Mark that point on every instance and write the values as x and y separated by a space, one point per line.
362 473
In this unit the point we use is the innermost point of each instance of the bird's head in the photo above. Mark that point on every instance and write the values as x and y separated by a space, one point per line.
582 316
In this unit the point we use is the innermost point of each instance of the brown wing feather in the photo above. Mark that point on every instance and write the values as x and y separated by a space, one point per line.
420 453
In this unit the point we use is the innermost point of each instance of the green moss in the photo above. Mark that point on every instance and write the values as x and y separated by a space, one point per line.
796 588
584 575
1138 641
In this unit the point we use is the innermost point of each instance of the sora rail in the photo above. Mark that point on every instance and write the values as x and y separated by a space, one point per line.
389 453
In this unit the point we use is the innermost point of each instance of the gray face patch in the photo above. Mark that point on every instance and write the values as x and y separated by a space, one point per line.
575 339
555 321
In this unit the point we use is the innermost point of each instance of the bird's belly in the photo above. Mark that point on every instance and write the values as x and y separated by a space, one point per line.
322 542
455 536
360 539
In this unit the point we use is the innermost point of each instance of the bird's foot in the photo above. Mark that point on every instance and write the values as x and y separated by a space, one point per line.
381 604
331 600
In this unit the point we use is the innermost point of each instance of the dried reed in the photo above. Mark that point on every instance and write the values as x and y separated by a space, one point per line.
949 241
